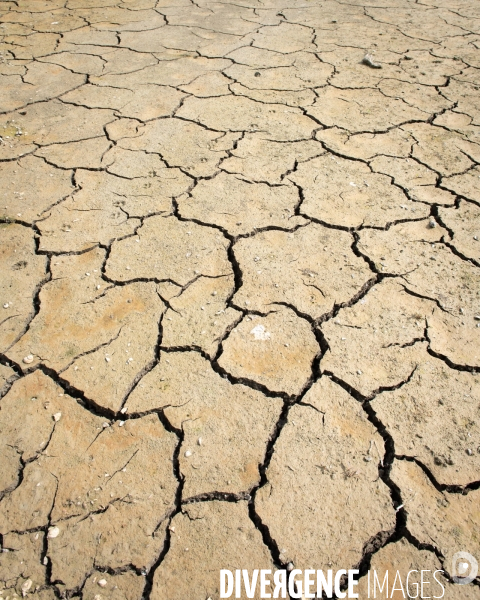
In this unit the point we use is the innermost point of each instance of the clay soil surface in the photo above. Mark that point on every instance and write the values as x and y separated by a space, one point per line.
240 292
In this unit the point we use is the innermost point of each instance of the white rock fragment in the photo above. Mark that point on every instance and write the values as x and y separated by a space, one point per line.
102 582
26 585
28 359
123 410
368 60
57 416
188 453
53 532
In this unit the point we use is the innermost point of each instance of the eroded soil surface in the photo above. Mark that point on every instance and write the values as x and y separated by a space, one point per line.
240 299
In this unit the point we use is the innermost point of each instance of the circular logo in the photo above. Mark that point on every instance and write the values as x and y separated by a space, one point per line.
464 568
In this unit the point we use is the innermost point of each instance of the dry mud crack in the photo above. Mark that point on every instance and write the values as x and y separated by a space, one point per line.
240 292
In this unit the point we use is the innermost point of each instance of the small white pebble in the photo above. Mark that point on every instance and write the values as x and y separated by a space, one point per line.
5 305
469 452
53 532
87 274
102 582
57 416
121 423
199 441
105 425
28 359
359 372
26 586
107 359
124 410
188 453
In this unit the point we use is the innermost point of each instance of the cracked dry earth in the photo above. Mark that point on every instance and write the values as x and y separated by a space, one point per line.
240 299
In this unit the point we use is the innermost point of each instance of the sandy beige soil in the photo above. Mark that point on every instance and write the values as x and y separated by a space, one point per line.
240 292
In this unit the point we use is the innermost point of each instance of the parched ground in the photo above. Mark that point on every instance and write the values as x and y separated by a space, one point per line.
240 291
